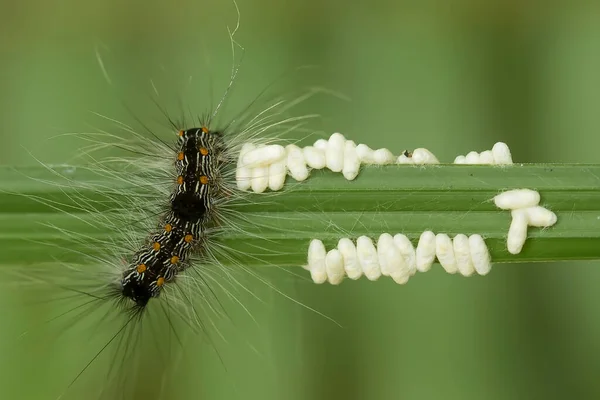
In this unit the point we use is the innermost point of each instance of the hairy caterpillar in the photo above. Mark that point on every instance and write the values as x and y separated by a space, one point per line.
125 305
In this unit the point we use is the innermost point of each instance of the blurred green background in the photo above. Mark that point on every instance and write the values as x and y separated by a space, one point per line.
450 76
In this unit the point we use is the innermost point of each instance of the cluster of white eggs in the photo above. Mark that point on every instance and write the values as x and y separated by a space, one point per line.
266 166
396 257
498 155
525 211
262 167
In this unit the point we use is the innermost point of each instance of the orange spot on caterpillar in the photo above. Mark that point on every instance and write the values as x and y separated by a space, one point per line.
160 281
168 227
156 246
203 179
174 260
180 156
188 238
203 151
180 180
204 129
141 268
181 133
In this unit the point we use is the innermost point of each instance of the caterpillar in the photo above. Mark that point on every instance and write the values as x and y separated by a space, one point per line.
200 160
136 299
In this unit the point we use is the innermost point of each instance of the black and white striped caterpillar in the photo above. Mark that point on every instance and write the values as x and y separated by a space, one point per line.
171 197
201 156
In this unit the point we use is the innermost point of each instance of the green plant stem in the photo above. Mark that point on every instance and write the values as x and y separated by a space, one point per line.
276 229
